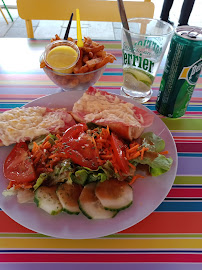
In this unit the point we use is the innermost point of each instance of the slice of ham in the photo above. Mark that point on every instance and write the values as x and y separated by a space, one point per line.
27 123
103 108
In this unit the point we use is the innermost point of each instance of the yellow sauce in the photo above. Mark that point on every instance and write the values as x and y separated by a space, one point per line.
61 57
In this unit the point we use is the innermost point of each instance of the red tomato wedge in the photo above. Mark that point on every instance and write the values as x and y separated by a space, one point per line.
18 166
119 153
82 152
79 159
79 147
74 131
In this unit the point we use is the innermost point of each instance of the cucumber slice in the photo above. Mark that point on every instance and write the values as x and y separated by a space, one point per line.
114 194
46 199
91 206
68 195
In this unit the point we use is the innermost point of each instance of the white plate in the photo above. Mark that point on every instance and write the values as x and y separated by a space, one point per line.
148 192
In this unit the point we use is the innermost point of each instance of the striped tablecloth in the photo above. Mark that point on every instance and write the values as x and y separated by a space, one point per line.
170 238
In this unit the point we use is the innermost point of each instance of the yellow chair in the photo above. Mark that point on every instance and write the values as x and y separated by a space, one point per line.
90 10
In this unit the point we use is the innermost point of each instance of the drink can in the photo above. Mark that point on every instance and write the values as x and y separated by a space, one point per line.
182 70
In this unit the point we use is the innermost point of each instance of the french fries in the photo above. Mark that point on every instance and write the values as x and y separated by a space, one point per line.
92 57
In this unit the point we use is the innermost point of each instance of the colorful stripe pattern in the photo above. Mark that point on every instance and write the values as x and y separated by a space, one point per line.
172 233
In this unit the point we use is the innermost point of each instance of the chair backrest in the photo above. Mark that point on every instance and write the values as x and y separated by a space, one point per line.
90 10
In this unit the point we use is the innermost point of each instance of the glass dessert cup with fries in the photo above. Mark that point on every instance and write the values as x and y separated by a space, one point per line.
69 81
84 72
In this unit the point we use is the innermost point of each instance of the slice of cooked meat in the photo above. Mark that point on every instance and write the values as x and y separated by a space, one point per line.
102 108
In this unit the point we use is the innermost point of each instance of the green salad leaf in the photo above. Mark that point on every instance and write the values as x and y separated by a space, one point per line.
84 175
42 177
162 162
153 142
158 165
157 171
80 177
41 139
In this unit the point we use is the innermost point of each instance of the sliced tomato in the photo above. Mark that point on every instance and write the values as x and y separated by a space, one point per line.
19 166
74 132
79 147
119 153
79 159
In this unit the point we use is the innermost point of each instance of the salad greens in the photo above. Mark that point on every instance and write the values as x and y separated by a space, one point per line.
153 142
158 163
41 139
68 171
78 171
42 177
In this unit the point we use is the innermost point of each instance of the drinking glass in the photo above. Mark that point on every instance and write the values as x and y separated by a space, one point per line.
143 47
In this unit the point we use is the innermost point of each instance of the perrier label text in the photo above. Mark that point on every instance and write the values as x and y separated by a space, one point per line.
137 61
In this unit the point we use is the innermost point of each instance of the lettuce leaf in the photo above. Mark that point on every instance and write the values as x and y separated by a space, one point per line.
85 175
157 171
9 192
42 177
158 166
41 139
153 142
80 177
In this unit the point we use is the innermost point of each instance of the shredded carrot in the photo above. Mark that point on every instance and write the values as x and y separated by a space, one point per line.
107 157
108 130
105 133
135 177
37 157
133 149
103 143
61 155
133 180
19 185
96 148
93 140
46 139
46 145
35 147
101 140
133 144
58 136
24 186
164 153
135 155
115 170
127 155
131 165
142 152
10 185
